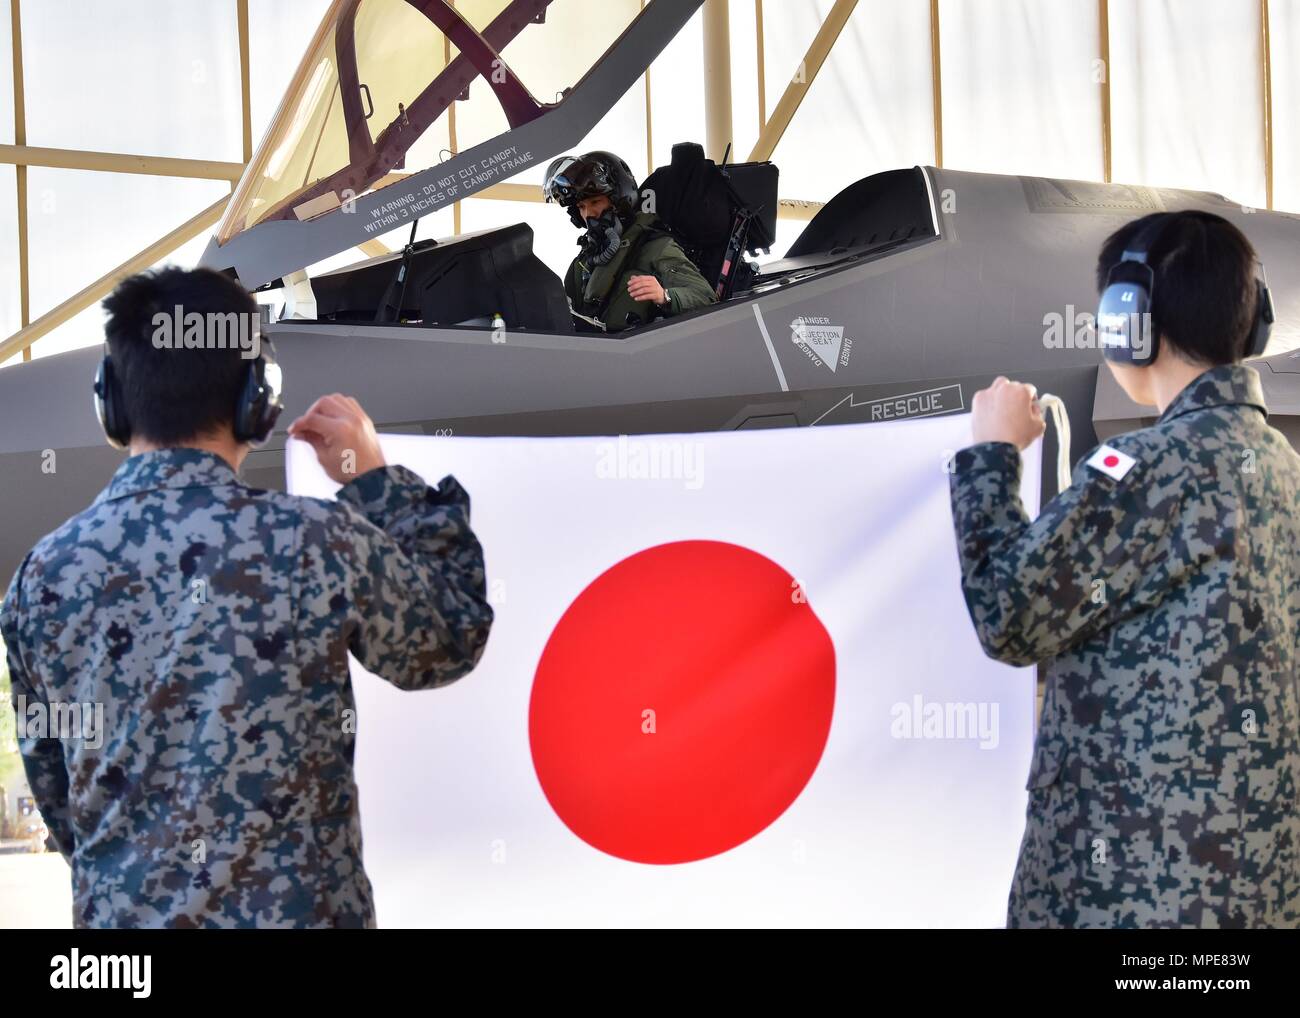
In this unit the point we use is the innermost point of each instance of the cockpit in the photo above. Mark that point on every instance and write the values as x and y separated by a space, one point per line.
475 279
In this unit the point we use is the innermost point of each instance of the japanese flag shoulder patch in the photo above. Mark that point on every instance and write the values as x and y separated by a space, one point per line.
1111 462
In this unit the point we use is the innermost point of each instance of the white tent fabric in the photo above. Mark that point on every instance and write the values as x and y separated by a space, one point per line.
1285 38
1021 92
1188 111
1020 86
870 108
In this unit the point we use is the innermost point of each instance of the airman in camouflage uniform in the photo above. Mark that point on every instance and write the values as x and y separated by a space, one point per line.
213 621
1166 600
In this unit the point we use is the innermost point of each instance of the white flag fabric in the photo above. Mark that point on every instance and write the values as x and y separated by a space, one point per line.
731 682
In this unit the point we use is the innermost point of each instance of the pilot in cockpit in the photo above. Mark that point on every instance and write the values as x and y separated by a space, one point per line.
630 270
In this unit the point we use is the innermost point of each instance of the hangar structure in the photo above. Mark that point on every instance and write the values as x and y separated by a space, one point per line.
903 292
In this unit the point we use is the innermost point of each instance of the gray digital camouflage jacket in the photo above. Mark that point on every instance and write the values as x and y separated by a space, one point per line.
212 621
1162 790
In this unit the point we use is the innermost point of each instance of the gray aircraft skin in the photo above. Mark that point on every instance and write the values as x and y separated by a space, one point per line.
957 278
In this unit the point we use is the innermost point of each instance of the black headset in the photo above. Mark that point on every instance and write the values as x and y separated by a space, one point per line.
108 404
258 407
1124 330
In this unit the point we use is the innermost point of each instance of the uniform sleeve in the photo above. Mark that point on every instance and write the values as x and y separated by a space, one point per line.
414 579
687 289
47 772
1034 588
571 285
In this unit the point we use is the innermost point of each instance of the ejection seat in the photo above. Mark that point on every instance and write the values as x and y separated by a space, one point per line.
716 213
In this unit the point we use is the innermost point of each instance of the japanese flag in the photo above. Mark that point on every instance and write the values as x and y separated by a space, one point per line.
731 682
1111 462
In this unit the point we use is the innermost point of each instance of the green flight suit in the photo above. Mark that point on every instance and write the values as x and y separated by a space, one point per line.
601 291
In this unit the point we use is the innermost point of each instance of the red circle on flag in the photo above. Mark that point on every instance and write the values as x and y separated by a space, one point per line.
682 702
1111 461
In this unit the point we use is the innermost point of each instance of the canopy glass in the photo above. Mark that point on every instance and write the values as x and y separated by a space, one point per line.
380 75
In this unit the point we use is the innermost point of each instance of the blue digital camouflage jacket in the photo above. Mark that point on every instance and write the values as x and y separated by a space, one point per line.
1164 593
213 622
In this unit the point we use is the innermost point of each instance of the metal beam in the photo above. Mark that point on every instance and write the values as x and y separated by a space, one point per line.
1266 71
649 122
20 173
451 127
649 128
762 65
150 255
718 123
803 79
113 162
1103 35
511 192
936 82
245 83
796 208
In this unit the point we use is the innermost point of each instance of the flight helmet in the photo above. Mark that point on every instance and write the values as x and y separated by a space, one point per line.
570 179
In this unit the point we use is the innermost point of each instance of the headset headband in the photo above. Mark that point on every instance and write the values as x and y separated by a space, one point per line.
1139 248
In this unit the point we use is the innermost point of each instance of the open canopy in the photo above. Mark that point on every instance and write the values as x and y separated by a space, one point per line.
378 92
378 74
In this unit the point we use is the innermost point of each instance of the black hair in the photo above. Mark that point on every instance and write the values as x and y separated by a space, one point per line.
172 395
1203 298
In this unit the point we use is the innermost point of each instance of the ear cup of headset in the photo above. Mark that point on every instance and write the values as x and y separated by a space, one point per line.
1124 330
108 405
259 404
1263 319
248 408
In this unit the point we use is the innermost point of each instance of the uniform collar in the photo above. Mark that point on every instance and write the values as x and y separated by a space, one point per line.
169 468
1224 385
